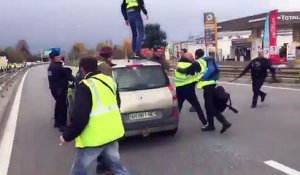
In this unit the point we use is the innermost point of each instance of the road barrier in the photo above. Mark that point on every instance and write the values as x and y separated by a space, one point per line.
8 77
282 74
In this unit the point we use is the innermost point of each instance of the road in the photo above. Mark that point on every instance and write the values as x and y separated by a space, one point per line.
270 132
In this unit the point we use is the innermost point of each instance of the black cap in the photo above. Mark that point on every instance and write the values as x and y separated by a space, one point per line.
53 54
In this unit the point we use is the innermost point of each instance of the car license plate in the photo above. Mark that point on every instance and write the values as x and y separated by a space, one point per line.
144 116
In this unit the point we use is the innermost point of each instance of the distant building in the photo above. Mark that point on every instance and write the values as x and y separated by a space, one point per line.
240 39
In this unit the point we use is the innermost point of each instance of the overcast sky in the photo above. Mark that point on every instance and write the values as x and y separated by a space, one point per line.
60 23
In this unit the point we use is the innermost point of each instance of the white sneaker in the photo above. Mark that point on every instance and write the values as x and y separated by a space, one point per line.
205 126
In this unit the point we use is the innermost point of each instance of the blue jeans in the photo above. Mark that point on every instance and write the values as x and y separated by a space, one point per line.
138 31
86 156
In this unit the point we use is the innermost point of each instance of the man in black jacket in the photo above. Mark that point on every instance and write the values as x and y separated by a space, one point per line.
58 77
131 10
259 72
82 122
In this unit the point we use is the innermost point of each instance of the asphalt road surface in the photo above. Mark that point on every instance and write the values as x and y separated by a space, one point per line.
270 132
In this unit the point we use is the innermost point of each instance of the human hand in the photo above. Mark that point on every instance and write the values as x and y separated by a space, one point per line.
62 141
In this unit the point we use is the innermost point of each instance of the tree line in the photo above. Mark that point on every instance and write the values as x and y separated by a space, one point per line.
154 37
18 54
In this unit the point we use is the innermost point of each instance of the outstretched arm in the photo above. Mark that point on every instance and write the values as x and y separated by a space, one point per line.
247 69
191 70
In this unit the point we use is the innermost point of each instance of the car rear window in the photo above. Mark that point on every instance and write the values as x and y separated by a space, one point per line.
140 78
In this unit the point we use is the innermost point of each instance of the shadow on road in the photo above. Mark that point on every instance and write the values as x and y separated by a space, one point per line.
140 142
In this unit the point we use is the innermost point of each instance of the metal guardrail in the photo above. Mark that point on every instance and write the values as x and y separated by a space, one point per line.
281 73
292 74
7 79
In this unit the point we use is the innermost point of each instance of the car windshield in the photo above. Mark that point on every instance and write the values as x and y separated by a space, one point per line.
140 78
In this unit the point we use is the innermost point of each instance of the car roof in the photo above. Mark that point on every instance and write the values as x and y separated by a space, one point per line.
126 62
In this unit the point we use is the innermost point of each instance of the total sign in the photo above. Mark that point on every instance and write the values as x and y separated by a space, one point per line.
289 18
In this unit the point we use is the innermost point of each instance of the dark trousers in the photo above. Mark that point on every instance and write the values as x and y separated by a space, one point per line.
60 111
188 93
138 31
211 111
257 83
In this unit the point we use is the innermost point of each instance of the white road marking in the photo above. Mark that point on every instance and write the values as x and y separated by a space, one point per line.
249 85
7 141
282 168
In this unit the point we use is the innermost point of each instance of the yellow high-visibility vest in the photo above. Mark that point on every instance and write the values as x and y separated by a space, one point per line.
105 123
132 3
183 79
204 67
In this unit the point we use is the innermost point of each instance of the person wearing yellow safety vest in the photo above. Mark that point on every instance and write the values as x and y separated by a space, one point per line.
131 10
97 124
185 87
200 67
105 66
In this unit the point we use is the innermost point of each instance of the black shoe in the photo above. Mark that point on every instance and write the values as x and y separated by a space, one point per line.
253 106
101 170
225 127
193 109
137 57
62 128
208 128
263 97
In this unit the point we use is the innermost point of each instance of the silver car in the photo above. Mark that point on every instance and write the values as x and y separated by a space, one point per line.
148 99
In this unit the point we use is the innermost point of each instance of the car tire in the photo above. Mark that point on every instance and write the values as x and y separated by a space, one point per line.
171 132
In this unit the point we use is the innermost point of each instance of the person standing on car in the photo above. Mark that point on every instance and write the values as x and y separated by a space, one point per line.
259 72
97 124
185 87
199 68
131 10
58 77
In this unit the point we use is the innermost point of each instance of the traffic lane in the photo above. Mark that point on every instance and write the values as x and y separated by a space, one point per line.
273 126
189 152
36 147
257 135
